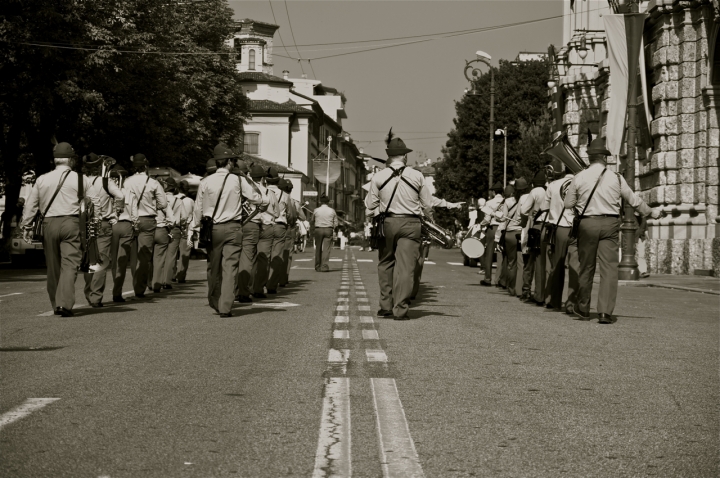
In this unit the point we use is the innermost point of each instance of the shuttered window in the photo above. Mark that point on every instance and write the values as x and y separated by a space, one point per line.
251 143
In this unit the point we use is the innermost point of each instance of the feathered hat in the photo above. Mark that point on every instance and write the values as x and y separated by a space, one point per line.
395 146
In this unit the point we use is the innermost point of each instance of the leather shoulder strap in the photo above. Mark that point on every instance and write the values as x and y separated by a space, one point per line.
217 203
592 192
57 190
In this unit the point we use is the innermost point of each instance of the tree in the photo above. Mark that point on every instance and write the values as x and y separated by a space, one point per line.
116 77
521 106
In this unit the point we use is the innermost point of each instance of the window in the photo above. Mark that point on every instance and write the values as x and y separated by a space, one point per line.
251 60
251 142
715 65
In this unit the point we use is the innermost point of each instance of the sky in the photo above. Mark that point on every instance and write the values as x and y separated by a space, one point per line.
411 88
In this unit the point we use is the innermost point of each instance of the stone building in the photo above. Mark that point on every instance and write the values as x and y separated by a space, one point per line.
677 162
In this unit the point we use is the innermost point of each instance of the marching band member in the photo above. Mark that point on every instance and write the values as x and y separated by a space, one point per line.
491 206
220 198
502 268
533 213
599 228
180 216
188 205
400 192
294 214
513 231
277 264
250 239
122 239
55 195
110 200
166 222
266 220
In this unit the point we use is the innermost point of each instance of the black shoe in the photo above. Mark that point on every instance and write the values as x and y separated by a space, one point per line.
244 299
384 313
325 269
525 297
96 304
140 296
272 291
259 295
63 312
174 279
228 314
56 311
539 303
582 316
157 291
167 286
118 298
604 318
282 285
181 281
570 309
486 283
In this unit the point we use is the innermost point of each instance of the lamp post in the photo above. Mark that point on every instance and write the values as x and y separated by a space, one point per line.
484 58
327 174
503 132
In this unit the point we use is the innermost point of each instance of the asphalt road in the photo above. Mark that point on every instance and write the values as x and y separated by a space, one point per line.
488 386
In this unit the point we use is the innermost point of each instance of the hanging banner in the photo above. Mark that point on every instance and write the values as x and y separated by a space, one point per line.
320 170
624 34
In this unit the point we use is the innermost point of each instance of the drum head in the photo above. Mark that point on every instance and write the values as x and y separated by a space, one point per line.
472 247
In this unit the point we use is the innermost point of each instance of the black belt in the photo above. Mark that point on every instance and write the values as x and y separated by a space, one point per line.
124 220
605 215
392 214
58 217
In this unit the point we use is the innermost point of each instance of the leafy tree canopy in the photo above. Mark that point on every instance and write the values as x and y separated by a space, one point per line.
521 106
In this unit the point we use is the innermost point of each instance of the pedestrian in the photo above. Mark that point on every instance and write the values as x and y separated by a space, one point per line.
533 213
165 224
597 198
55 195
261 267
250 236
489 220
513 233
185 247
277 263
219 202
325 220
110 198
294 214
400 194
150 197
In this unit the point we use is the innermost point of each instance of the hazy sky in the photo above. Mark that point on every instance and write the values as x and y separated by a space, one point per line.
413 87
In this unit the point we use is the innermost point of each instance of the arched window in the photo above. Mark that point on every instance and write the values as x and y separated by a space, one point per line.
716 58
251 60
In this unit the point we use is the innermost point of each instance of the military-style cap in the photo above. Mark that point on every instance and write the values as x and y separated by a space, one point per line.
170 183
118 170
257 172
63 150
285 185
597 146
273 177
539 178
498 187
210 166
241 168
139 160
395 146
324 199
521 184
223 151
91 159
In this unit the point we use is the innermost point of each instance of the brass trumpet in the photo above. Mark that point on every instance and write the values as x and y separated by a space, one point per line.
435 233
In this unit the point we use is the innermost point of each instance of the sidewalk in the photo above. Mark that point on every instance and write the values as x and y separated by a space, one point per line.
703 284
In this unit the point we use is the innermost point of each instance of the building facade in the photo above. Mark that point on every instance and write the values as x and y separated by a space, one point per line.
676 166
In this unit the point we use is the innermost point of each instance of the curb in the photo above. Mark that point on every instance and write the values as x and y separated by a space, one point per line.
669 286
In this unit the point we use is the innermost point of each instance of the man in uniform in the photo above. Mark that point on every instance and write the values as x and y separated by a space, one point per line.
508 203
180 216
110 199
400 249
491 221
123 233
325 221
266 219
533 212
226 191
599 228
55 195
188 205
564 250
166 222
294 215
251 237
513 232
277 265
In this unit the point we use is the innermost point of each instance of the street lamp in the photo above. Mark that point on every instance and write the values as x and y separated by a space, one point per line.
483 57
327 176
503 132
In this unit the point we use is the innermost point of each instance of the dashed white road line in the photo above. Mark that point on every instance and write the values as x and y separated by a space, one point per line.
454 263
335 259
302 260
333 456
364 260
30 405
430 262
370 335
366 320
342 319
376 355
14 293
341 334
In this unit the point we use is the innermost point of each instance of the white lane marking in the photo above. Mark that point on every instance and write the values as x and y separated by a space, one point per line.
343 299
429 262
14 293
361 299
342 319
364 260
52 312
335 260
343 292
397 450
376 355
343 307
21 411
361 287
366 319
333 456
370 335
455 263
360 292
302 260
344 286
363 307
341 334
338 356
277 305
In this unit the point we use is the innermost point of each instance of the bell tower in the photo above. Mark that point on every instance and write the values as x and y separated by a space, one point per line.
254 41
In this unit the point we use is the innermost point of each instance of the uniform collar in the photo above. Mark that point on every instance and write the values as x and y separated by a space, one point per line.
222 171
61 167
397 164
143 173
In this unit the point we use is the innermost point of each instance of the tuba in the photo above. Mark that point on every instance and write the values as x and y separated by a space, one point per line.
91 261
432 231
562 150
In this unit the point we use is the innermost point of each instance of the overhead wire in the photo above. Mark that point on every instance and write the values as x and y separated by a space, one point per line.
272 10
292 33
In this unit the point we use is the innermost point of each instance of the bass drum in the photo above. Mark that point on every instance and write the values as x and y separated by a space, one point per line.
472 247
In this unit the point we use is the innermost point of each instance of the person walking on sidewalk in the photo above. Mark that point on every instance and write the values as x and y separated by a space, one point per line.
325 221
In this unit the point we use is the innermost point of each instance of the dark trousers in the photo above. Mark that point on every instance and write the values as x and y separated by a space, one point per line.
225 260
120 252
598 243
95 283
171 255
248 256
261 268
563 252
323 246
424 252
512 239
162 241
143 253
489 250
534 269
184 262
61 243
288 254
277 265
398 255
